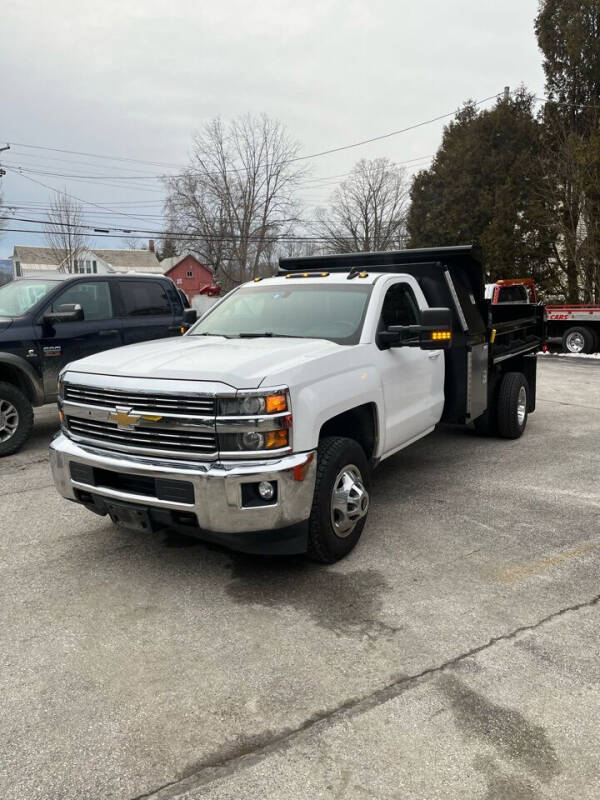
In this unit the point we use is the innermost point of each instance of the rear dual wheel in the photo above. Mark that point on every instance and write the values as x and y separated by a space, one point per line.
507 415
513 404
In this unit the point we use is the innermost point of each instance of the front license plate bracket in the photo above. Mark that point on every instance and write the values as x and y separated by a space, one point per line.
129 516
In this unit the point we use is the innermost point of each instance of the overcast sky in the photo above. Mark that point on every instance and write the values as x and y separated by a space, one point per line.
135 79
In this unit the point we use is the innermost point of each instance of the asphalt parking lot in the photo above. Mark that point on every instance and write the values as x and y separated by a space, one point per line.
454 654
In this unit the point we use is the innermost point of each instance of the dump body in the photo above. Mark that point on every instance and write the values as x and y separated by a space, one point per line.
484 335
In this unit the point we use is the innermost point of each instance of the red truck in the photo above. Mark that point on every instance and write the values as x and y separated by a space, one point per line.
576 325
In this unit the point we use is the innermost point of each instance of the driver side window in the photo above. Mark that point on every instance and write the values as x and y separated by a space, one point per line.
94 299
399 306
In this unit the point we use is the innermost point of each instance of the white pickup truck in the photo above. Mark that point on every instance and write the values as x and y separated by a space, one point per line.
260 428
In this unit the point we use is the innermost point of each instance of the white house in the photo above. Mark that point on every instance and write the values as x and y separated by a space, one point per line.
28 260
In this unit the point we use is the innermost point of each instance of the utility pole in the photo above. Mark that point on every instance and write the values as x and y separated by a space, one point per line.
2 149
507 93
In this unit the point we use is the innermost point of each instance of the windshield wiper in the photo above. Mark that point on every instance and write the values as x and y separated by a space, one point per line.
268 334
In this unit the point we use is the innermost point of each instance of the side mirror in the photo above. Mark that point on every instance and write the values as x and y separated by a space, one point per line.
434 332
190 315
67 312
436 329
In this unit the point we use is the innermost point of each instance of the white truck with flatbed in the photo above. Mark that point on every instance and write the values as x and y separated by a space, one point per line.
259 429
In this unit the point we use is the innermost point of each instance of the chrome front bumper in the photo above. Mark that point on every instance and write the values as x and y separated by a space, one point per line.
217 485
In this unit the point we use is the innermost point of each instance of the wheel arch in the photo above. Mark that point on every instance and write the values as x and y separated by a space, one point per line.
15 370
359 423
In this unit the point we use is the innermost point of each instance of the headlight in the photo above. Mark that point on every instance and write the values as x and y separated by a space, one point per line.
252 405
254 441
255 423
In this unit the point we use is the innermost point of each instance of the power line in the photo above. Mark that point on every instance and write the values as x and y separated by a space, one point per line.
105 210
92 227
74 197
44 159
78 176
209 237
97 155
295 159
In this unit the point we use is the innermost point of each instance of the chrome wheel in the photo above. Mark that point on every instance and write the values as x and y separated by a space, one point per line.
9 420
574 342
349 501
521 405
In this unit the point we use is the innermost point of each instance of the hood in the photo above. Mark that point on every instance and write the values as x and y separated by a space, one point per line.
5 322
241 363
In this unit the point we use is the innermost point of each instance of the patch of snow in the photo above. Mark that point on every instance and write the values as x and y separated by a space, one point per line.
593 356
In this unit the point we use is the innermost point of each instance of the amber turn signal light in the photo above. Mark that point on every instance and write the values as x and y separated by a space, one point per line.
438 336
275 403
276 439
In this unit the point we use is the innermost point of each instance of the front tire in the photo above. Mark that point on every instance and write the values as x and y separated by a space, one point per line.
341 499
16 419
513 404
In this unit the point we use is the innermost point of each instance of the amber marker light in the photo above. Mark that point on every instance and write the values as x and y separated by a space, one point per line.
276 439
439 336
275 403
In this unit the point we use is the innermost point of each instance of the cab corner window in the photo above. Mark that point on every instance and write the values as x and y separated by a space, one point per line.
94 299
399 306
144 298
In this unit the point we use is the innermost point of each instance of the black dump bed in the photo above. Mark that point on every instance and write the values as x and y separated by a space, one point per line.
487 340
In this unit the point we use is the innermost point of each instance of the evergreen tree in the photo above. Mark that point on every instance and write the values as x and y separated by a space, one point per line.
168 249
483 188
568 33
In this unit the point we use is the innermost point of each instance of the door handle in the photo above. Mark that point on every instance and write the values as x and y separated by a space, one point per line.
108 332
435 355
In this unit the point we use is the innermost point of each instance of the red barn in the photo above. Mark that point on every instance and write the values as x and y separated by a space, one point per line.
189 274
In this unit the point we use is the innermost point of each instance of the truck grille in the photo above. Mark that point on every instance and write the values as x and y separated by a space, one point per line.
155 440
196 406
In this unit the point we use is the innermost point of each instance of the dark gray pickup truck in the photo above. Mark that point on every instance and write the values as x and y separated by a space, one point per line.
49 320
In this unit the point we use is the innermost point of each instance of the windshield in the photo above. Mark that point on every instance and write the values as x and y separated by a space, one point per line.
17 297
326 311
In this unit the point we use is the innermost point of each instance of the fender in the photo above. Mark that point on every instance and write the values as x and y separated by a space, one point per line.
33 381
327 396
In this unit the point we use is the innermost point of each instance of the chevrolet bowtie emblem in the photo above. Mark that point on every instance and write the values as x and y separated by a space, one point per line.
126 418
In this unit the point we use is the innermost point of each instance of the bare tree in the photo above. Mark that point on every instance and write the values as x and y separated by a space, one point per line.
64 231
134 243
236 198
368 210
